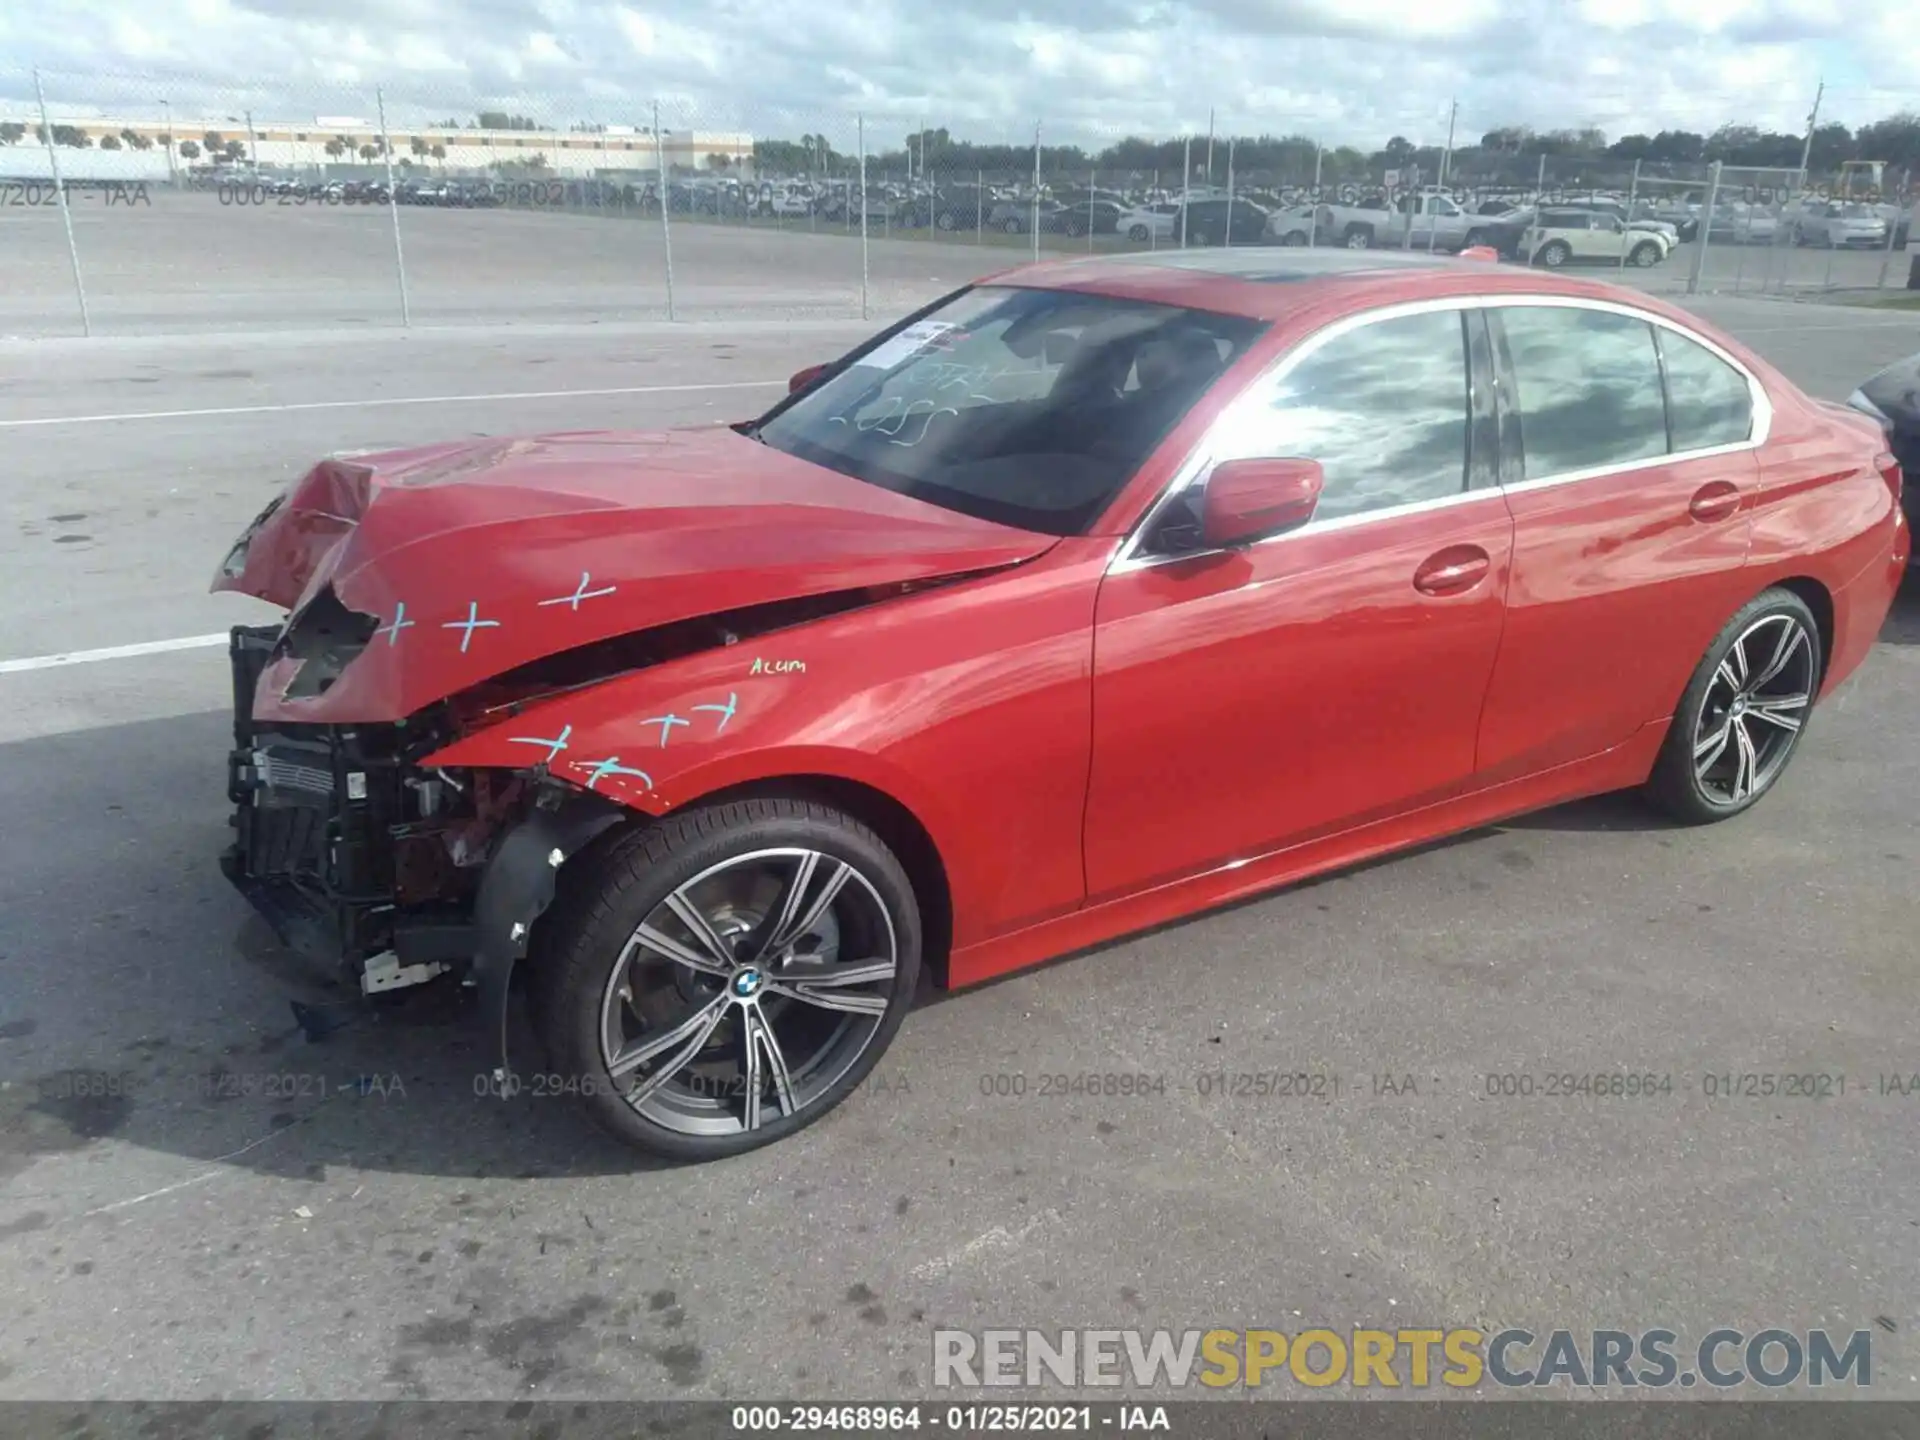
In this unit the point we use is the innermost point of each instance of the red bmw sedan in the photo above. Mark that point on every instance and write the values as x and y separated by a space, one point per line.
1091 596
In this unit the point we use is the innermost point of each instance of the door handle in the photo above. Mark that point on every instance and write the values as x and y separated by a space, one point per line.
1449 571
1715 500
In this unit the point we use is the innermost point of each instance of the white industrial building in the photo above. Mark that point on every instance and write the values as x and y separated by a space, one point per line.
305 146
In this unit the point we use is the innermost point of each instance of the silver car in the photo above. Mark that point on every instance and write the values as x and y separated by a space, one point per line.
1841 224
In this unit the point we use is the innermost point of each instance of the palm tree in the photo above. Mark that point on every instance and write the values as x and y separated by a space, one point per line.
336 147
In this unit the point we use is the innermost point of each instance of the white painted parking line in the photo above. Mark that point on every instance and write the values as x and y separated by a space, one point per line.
388 400
112 652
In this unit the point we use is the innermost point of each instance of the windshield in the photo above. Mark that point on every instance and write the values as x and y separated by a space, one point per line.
1025 407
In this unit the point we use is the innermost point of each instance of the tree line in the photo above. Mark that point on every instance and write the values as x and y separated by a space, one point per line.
1508 151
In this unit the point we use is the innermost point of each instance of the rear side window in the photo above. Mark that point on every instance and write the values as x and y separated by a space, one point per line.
1589 383
1708 401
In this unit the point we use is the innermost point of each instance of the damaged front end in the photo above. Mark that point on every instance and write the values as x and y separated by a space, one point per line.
434 593
353 853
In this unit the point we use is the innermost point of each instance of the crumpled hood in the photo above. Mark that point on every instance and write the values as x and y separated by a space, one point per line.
467 560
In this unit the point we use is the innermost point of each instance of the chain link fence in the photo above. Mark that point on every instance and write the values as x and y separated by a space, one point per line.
135 204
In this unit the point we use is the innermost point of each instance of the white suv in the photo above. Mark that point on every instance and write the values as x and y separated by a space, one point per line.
1563 237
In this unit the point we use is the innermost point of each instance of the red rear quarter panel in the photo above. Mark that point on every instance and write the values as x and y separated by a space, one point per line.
969 704
1821 510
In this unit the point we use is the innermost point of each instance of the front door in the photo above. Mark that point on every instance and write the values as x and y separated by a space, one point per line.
1250 698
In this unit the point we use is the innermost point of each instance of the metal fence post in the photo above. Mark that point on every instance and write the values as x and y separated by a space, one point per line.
862 131
1886 256
1706 229
979 206
1313 220
1540 181
393 209
1228 228
66 215
1093 182
1186 188
1036 190
1633 194
666 202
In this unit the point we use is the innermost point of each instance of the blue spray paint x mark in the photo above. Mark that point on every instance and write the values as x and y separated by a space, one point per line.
724 711
400 622
666 723
581 592
554 746
472 623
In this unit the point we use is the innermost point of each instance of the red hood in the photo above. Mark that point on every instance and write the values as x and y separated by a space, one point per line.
550 542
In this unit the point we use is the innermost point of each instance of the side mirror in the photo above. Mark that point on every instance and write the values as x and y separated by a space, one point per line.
1249 500
801 379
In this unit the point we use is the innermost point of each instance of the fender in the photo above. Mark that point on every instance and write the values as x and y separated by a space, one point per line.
517 887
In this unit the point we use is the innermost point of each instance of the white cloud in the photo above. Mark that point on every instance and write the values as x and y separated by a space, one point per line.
1343 70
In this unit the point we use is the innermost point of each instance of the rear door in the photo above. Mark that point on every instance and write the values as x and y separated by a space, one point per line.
1628 459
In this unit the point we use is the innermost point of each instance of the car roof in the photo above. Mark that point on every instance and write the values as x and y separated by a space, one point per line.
1273 282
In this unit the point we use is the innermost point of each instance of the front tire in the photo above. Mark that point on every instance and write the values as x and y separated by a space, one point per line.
721 979
1359 237
1743 712
1139 234
1645 255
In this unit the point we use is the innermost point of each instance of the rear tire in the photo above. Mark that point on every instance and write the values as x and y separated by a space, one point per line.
1742 714
1358 237
697 980
1555 254
1139 234
1645 255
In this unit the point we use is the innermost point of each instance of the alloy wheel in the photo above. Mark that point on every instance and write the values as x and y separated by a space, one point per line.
1753 710
749 992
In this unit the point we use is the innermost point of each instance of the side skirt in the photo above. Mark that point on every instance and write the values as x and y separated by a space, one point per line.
1616 769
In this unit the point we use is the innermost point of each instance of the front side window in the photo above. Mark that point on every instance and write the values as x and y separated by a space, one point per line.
1708 401
1382 407
1589 387
1025 407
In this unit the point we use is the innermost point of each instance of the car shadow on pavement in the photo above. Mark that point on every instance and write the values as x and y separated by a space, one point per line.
1903 622
144 1002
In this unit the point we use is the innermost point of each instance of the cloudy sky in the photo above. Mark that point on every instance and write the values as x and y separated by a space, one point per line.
1346 71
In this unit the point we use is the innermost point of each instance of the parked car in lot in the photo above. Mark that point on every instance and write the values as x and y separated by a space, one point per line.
1743 224
1428 220
1088 598
1294 225
1892 399
1221 222
1075 218
1842 224
1504 230
1568 237
1153 222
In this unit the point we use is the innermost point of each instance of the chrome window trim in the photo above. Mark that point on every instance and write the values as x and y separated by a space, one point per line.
1200 460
